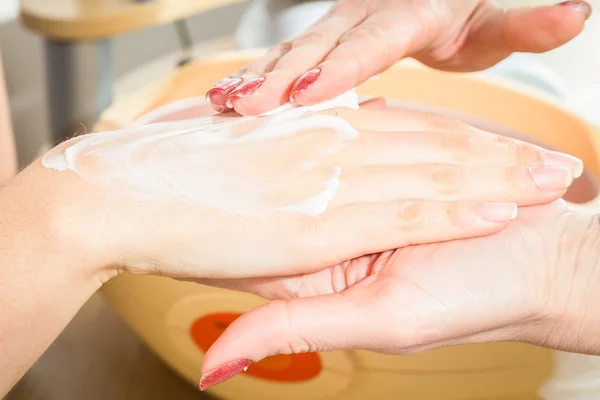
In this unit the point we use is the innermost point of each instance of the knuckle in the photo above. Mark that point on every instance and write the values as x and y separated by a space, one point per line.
280 48
454 214
446 179
311 38
444 123
410 215
297 345
527 154
364 32
502 139
513 182
459 145
294 342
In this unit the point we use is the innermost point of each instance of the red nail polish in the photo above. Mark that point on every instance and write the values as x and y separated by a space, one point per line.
217 95
304 82
221 374
581 6
246 89
227 83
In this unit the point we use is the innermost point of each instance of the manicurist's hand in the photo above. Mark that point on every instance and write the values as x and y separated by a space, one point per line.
535 282
358 39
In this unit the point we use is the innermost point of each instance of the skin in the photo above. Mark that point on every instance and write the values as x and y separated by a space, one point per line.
51 264
8 156
361 38
533 282
62 237
407 168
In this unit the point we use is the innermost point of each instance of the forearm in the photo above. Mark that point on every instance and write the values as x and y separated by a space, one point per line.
8 158
44 279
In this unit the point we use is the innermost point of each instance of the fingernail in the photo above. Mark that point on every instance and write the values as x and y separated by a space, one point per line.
552 178
221 374
304 82
245 90
498 212
217 95
556 159
580 6
227 83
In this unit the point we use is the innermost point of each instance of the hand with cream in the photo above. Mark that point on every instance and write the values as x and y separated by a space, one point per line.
296 191
535 282
304 188
358 39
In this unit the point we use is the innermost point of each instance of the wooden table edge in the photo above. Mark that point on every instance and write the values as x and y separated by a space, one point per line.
122 20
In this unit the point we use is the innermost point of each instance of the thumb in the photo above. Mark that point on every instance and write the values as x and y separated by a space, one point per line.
301 325
542 29
499 33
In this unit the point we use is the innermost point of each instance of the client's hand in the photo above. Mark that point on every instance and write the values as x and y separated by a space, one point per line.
534 282
176 200
358 39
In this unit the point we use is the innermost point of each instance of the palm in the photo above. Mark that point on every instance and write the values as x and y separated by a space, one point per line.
416 297
425 293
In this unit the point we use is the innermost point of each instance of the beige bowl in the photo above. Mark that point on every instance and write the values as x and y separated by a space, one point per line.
180 320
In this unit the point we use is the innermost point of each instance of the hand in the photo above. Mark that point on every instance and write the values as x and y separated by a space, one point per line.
407 178
359 39
535 282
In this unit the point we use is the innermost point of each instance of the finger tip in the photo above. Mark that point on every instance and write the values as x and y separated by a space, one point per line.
216 98
302 99
241 105
582 8
223 373
256 104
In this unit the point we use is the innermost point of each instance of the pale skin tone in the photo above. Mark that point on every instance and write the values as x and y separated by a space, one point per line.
533 283
52 263
360 38
8 158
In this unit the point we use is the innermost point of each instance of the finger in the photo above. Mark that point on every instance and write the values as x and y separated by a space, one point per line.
392 120
285 327
217 96
501 33
545 211
376 227
267 288
467 149
445 182
281 68
366 50
374 103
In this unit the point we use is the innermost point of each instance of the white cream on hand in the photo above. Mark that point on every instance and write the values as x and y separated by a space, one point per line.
247 165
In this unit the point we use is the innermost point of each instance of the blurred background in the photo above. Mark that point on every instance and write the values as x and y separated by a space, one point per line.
232 25
138 57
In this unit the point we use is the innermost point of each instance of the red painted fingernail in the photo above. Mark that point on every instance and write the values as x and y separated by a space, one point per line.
228 83
246 89
579 5
221 374
217 95
304 82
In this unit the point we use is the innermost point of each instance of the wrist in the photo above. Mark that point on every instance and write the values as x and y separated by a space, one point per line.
46 273
62 213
